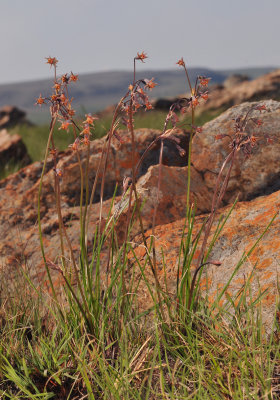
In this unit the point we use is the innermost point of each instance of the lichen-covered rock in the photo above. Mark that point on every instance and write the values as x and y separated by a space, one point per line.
247 222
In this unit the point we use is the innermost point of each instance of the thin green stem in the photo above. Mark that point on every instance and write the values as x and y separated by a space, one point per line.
52 124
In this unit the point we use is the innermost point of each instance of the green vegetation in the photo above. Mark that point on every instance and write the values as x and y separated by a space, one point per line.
9 168
53 349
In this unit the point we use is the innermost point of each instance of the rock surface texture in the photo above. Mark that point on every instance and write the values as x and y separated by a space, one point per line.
251 176
247 222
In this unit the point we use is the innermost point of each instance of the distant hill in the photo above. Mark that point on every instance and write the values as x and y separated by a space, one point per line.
93 92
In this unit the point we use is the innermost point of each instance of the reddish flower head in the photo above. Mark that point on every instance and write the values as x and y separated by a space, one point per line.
204 96
85 140
52 61
65 78
40 100
57 86
150 84
181 62
86 130
75 146
73 78
89 119
195 102
65 125
148 106
141 56
204 81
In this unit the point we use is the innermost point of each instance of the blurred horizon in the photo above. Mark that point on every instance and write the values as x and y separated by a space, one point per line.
127 71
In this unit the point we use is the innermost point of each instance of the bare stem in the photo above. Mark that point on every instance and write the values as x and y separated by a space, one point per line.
109 139
156 205
52 124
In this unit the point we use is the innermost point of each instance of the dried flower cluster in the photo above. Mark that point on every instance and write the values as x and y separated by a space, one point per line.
241 138
136 97
61 108
200 90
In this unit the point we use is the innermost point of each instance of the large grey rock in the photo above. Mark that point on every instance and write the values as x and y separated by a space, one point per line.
252 176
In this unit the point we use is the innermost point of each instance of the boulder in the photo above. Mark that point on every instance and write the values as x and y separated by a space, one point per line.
171 199
251 176
239 90
163 103
11 116
235 90
247 222
12 149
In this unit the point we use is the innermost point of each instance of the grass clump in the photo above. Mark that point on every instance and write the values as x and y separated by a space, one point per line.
89 339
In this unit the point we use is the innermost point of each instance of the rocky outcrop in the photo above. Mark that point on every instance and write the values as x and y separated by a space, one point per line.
11 116
234 80
171 198
224 96
12 149
235 90
251 177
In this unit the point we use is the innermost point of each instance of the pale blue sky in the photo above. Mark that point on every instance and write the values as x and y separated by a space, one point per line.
98 35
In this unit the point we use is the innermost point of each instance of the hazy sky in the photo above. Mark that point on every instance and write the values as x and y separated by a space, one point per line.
98 35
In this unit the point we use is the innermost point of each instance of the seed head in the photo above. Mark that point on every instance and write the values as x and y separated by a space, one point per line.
57 86
40 100
181 62
65 125
65 78
204 96
52 61
89 119
150 84
73 78
204 81
195 102
75 146
148 106
141 56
